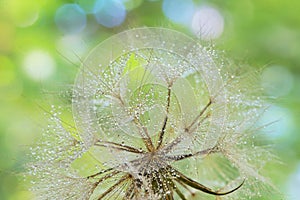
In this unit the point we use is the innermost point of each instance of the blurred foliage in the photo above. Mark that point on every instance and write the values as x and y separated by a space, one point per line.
262 33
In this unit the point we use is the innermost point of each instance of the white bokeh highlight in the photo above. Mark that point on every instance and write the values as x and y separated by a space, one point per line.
207 23
38 65
72 47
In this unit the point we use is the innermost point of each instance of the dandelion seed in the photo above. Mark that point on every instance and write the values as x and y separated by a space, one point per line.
159 116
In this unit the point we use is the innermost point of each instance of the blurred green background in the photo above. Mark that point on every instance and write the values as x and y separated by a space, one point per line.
41 43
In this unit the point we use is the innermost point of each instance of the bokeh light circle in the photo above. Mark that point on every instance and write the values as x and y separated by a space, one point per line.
71 46
38 65
207 23
70 18
109 13
178 11
22 13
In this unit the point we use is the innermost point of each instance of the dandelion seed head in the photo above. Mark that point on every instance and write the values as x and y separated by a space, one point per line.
157 116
